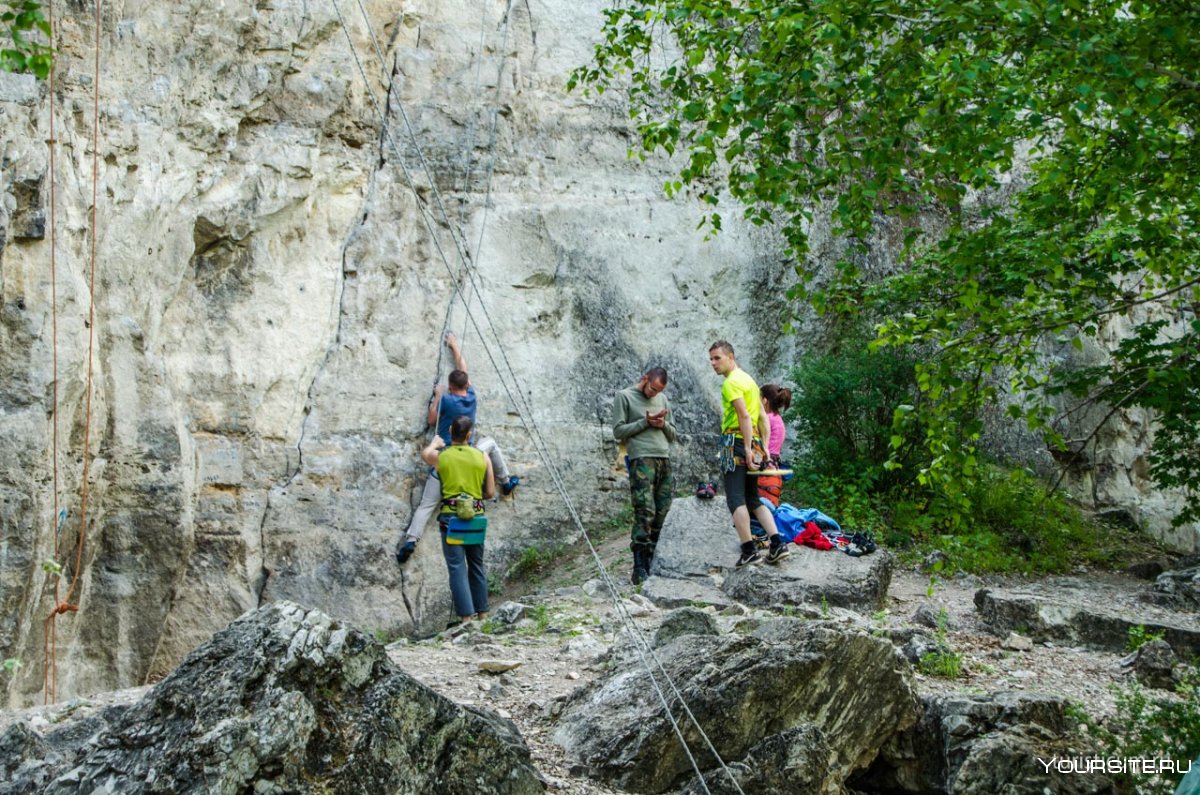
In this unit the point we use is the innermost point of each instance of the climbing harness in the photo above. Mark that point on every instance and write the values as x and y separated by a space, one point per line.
643 647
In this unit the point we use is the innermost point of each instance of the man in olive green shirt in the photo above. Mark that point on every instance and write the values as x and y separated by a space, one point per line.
641 420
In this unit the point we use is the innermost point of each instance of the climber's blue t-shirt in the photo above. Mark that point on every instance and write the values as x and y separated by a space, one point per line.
455 406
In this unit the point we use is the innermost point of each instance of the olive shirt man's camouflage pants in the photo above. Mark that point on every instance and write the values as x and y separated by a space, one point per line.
650 489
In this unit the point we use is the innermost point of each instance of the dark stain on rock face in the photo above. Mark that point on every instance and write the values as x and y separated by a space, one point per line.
221 266
29 215
609 361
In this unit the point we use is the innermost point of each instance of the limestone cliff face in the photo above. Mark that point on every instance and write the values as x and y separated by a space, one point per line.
277 245
269 296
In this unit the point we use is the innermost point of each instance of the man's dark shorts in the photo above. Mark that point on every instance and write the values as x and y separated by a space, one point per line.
740 482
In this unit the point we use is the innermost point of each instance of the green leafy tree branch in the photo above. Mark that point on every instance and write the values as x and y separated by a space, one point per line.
1037 160
22 22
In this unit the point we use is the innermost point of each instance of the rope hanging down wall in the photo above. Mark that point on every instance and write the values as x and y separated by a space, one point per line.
64 604
641 644
50 639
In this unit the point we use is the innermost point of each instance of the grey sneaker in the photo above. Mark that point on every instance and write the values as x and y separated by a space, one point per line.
749 558
778 551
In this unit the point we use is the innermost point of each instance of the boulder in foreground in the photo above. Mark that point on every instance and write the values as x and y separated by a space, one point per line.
840 694
698 548
284 699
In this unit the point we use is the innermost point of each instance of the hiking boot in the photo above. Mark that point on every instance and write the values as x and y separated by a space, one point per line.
506 488
748 558
641 567
778 550
405 551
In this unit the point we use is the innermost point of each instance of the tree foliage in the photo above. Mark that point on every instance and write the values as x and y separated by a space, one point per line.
842 411
1051 143
22 21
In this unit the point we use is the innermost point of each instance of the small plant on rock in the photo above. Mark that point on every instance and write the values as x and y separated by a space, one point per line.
945 662
541 619
533 563
1139 636
1151 727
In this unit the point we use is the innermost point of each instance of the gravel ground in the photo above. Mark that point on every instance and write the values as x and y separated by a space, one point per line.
1079 674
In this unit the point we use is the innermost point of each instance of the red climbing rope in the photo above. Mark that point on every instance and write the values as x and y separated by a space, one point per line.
65 605
49 671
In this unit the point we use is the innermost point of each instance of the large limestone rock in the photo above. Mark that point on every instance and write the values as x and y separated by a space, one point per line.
797 760
812 577
698 549
270 297
1179 588
1069 611
283 700
744 690
671 592
983 745
684 621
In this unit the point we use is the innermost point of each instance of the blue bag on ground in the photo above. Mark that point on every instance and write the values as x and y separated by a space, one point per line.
791 520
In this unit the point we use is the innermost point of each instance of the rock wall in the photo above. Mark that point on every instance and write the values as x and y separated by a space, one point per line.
277 245
269 295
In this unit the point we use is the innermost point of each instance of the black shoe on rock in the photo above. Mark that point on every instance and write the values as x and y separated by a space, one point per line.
750 555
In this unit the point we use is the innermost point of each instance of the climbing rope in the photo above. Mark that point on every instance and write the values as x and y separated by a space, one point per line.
469 136
65 605
491 145
49 640
466 268
642 646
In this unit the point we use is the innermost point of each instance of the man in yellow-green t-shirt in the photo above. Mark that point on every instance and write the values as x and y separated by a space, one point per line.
466 474
741 417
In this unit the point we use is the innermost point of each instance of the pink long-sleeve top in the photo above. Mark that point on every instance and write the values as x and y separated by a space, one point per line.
778 431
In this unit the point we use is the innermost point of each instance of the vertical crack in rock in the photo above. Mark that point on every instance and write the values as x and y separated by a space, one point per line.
289 477
408 607
259 586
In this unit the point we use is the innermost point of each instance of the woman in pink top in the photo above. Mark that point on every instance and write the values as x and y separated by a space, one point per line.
775 400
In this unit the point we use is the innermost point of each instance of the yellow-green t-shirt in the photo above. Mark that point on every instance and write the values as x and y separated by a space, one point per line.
462 470
739 384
